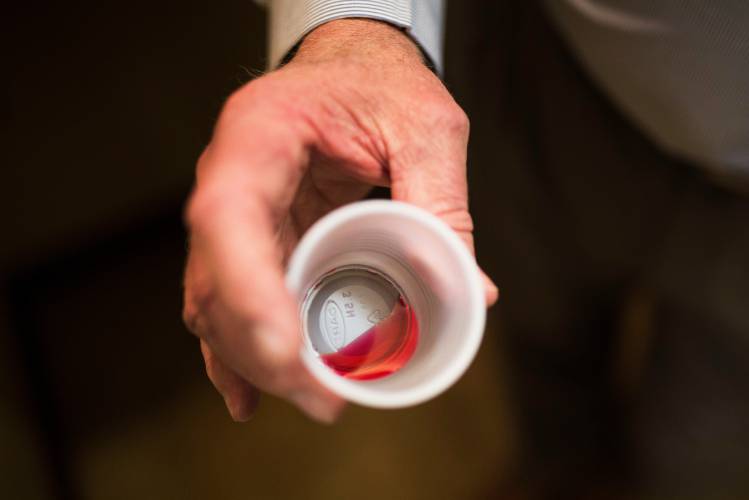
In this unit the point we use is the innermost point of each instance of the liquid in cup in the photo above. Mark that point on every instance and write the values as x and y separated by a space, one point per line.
360 323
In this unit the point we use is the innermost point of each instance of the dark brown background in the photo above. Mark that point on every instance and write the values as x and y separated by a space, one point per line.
107 107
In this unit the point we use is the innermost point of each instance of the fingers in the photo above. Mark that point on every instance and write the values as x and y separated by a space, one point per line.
253 324
428 169
245 313
240 397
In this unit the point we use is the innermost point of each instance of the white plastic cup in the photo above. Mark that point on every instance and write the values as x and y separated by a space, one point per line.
435 271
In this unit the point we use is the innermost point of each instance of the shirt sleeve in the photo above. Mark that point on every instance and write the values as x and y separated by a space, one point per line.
291 20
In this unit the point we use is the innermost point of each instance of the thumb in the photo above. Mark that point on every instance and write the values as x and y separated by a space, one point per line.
430 172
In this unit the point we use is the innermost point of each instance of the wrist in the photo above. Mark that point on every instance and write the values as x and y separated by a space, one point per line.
358 39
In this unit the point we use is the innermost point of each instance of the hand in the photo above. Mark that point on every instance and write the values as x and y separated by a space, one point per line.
355 108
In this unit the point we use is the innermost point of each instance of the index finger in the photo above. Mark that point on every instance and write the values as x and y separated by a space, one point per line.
248 178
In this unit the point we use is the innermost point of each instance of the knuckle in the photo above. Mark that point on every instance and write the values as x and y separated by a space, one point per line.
450 117
198 300
233 107
265 92
239 103
456 120
190 319
202 298
202 207
240 99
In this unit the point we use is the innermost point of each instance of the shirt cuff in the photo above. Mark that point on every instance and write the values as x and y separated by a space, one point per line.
291 20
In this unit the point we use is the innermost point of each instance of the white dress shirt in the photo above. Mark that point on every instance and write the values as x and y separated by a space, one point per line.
679 69
290 20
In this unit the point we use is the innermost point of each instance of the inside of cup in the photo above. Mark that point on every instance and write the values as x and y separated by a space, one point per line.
433 278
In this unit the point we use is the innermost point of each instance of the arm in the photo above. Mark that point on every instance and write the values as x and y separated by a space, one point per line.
291 20
355 107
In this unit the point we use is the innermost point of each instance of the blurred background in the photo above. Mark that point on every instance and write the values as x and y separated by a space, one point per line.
103 391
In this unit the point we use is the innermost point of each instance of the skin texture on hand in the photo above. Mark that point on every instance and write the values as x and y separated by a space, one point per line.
355 108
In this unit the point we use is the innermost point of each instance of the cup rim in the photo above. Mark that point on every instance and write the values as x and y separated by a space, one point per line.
358 391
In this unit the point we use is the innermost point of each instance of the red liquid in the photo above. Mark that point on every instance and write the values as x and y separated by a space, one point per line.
381 350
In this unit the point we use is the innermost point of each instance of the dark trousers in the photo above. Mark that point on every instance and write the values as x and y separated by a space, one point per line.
624 276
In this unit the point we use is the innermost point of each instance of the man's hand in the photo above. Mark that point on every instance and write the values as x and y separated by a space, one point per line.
355 108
